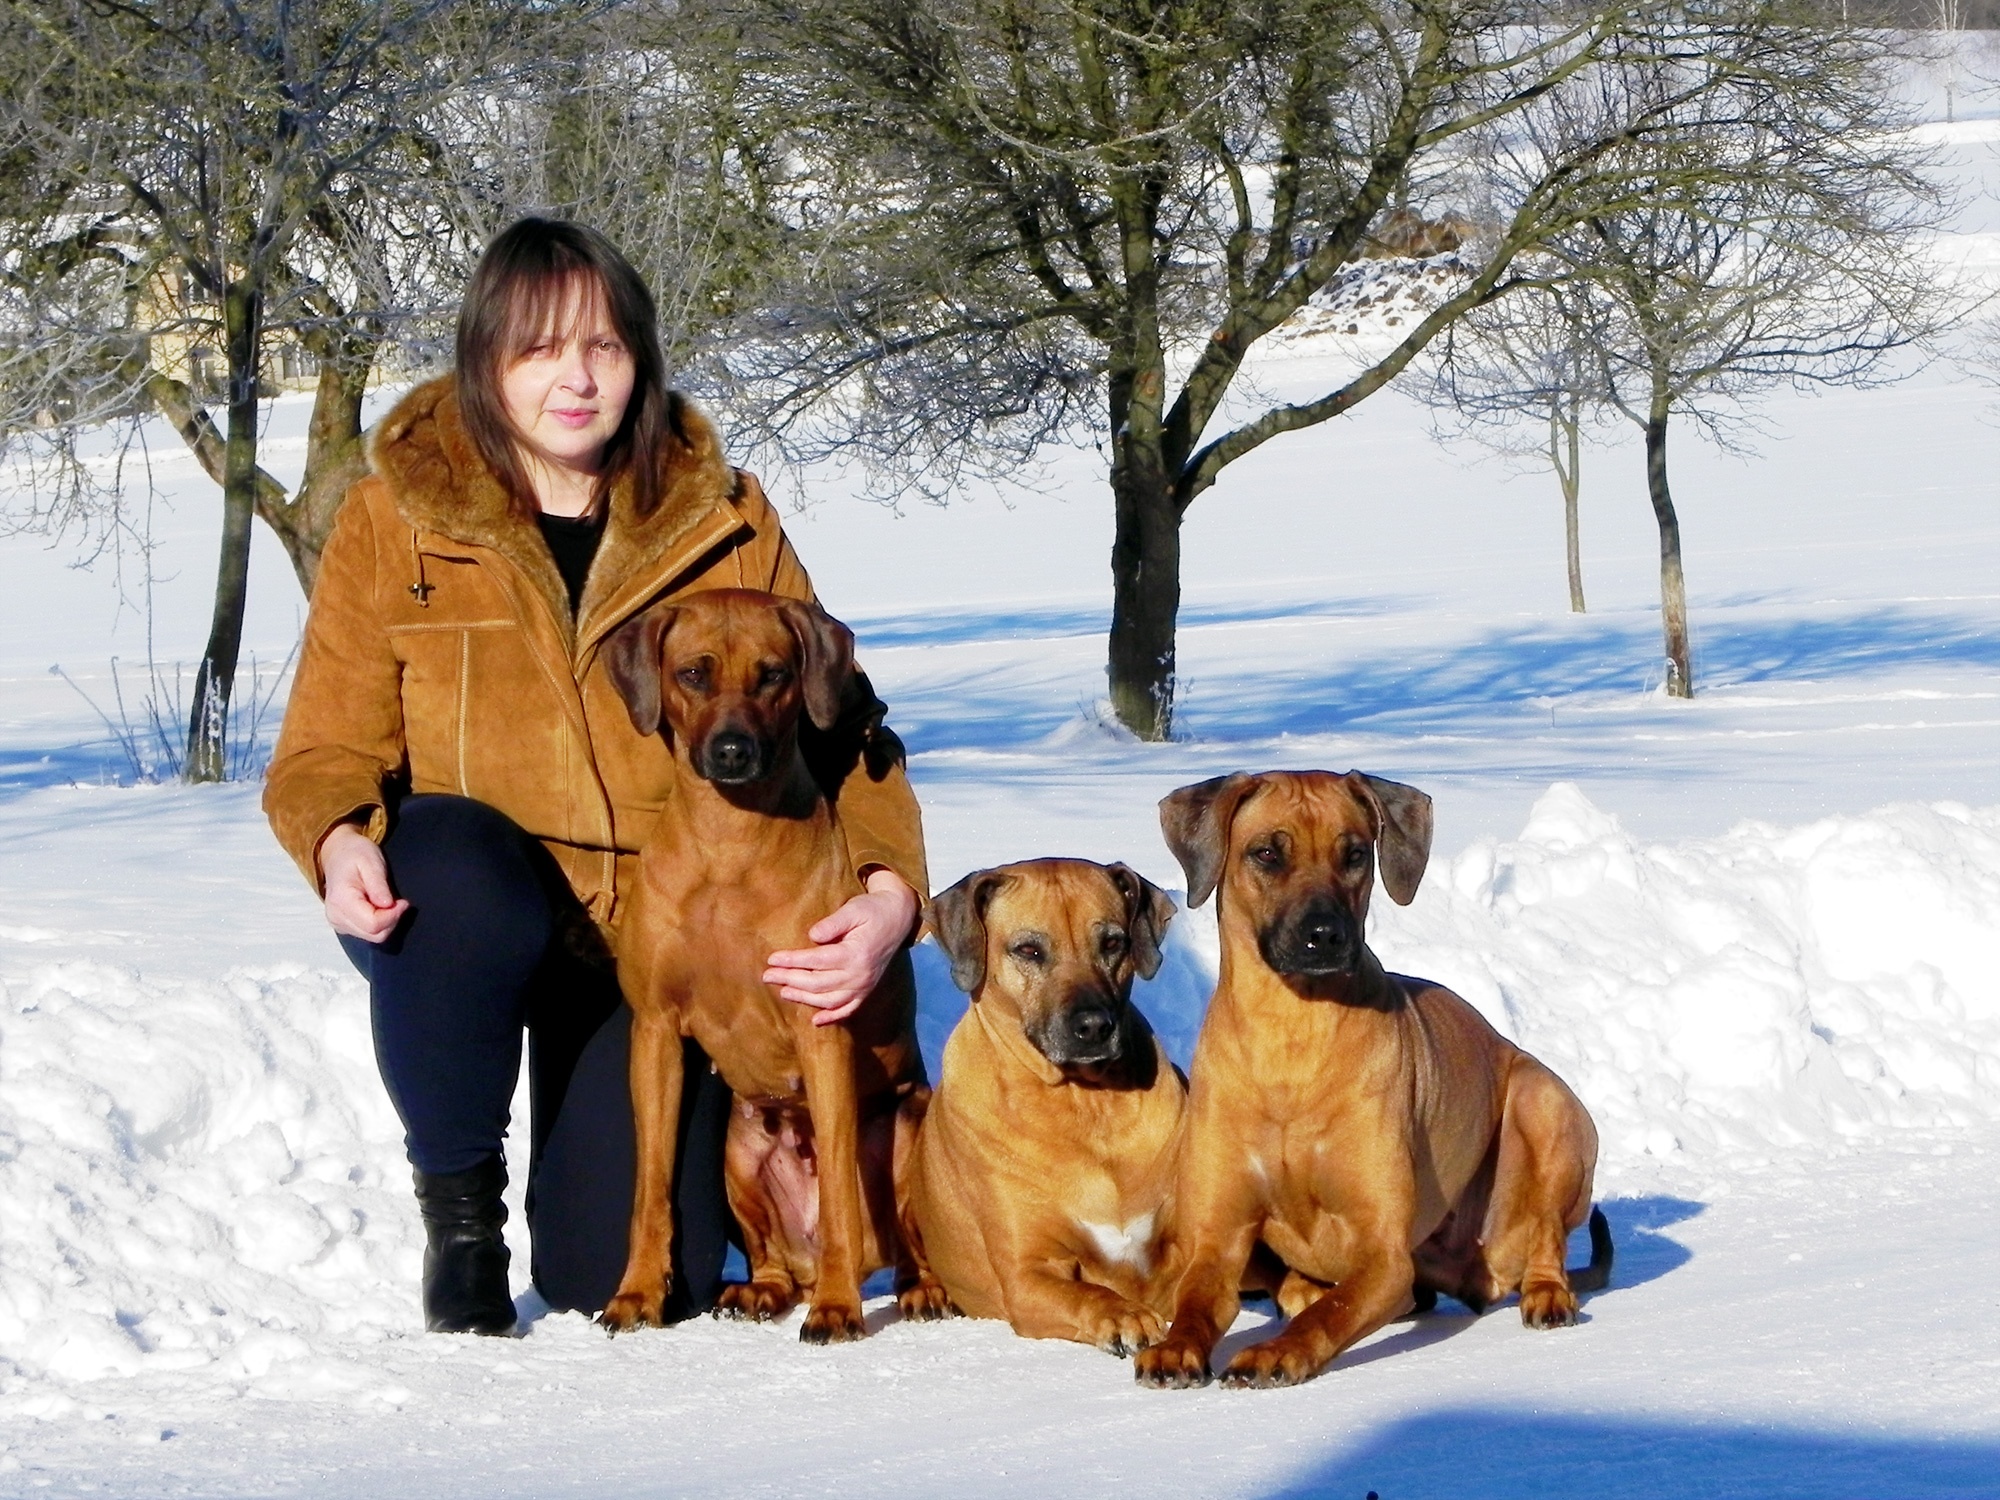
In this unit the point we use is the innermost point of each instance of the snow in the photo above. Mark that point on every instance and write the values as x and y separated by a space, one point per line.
1758 932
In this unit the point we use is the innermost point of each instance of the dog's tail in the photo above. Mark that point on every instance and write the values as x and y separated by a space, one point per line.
1596 1276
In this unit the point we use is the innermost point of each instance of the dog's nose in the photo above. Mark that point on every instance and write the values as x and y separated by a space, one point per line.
1091 1025
732 756
1322 934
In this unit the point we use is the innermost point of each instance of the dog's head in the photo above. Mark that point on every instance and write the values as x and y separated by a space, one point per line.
1295 854
728 673
1055 943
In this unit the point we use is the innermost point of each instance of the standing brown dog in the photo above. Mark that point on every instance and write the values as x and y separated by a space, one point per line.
1371 1131
826 1115
1042 1172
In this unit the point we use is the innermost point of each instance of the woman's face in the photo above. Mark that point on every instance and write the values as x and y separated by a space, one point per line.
566 393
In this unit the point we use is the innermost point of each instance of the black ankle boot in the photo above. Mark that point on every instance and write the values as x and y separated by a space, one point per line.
465 1259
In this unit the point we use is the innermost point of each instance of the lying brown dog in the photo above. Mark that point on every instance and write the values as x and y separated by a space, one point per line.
740 868
1371 1131
1043 1167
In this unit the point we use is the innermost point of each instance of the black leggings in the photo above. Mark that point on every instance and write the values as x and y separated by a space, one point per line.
491 945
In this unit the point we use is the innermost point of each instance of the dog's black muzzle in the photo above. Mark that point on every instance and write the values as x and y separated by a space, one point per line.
733 757
1089 1031
1316 939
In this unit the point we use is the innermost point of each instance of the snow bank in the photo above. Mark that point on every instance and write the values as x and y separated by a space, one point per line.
209 1175
1719 996
193 1174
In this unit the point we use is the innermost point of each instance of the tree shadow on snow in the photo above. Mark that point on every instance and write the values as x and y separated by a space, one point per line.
1460 688
1051 622
97 762
1500 1454
1501 684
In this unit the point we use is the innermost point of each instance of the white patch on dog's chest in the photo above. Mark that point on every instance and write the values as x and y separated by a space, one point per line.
1129 1244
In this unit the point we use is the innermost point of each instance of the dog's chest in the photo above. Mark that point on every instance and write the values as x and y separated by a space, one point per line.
1109 1223
1128 1244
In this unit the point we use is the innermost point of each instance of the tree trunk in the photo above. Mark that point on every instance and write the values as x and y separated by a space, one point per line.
336 458
1146 539
1146 536
1673 586
1565 428
215 680
1145 597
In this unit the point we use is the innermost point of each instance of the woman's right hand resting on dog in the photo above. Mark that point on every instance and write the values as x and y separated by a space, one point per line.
851 952
359 902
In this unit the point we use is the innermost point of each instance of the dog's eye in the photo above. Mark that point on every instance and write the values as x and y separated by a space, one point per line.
1356 857
772 677
693 676
1029 952
1112 944
1266 856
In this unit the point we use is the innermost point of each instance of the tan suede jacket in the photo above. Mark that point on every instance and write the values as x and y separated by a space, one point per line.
440 656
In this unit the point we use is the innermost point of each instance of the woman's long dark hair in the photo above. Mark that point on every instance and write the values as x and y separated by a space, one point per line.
517 290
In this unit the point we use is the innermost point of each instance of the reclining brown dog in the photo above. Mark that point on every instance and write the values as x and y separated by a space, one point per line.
1045 1160
1371 1131
740 868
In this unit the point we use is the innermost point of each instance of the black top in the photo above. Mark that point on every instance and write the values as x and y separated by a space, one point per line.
573 542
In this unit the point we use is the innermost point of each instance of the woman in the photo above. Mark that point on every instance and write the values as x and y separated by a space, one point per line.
460 781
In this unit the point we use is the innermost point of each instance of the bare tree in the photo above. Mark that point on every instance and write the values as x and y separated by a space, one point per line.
1786 241
1947 18
1520 376
1047 217
637 126
194 184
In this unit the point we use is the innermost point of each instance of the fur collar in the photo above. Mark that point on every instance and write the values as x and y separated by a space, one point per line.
441 484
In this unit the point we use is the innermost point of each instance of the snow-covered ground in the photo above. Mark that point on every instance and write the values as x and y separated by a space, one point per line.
1759 933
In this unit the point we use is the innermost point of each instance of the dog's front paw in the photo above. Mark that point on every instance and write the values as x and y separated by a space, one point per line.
926 1301
1548 1304
1174 1365
1128 1331
1274 1362
629 1310
832 1323
755 1301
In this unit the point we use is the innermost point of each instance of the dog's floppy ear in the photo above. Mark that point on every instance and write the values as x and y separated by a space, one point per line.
633 658
1403 845
826 659
957 919
1195 821
1148 909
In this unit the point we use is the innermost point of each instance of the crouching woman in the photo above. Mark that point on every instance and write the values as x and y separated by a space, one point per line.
460 781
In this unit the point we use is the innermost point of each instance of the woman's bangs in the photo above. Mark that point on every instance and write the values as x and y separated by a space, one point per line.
555 304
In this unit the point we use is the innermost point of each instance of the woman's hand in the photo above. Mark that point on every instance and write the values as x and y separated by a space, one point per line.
359 902
855 946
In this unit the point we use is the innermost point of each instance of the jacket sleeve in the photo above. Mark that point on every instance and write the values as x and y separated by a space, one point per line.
860 760
342 736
